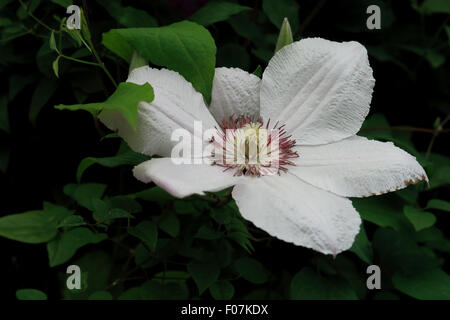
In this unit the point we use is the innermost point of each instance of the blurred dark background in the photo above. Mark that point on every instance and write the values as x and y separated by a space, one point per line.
41 147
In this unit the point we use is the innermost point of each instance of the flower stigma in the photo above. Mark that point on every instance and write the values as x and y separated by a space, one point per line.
245 145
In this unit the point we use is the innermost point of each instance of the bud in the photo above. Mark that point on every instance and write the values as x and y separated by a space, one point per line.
85 28
285 36
73 33
52 41
137 61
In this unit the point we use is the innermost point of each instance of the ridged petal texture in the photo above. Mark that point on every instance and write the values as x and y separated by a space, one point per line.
294 211
357 167
235 92
176 105
320 89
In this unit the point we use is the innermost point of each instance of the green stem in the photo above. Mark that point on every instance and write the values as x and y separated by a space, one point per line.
430 146
91 48
435 134
101 64
404 128
15 36
34 17
310 17
80 61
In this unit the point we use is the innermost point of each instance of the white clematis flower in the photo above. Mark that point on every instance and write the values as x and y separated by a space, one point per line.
319 92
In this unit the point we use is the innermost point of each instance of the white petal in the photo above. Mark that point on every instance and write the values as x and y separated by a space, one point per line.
176 105
357 167
320 89
235 92
182 180
297 212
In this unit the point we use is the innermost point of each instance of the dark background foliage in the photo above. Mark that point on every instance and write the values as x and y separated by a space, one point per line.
41 149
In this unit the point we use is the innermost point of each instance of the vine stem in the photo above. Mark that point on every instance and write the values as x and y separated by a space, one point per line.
34 17
91 47
310 17
405 128
79 61
18 35
435 134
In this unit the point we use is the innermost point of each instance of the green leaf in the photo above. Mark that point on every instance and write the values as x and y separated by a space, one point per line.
440 176
52 41
236 230
350 271
438 169
147 232
429 285
277 10
263 53
85 193
155 194
173 283
4 115
104 213
222 290
128 16
184 207
101 295
30 294
124 203
125 100
435 58
308 285
438 204
17 82
144 258
117 44
409 194
207 233
204 273
382 212
154 290
63 3
126 157
33 226
167 275
216 11
433 238
55 66
95 275
251 270
41 95
397 251
362 246
419 219
170 224
135 293
74 34
285 36
247 29
72 221
4 3
233 56
64 246
435 6
185 47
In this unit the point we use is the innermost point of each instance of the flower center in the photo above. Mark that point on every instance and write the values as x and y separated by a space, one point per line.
249 148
